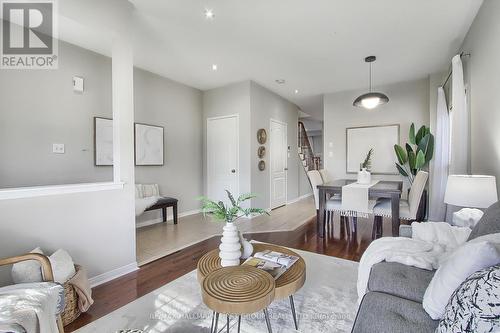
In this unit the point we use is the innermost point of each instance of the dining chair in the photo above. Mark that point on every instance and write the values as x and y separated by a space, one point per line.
332 204
407 208
324 175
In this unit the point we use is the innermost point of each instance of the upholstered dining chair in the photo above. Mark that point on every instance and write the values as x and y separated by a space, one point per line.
324 175
407 208
48 282
332 205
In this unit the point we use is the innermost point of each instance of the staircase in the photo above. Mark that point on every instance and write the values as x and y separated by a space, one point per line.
306 154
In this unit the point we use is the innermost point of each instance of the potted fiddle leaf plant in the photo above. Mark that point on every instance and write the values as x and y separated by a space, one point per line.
415 156
417 153
232 242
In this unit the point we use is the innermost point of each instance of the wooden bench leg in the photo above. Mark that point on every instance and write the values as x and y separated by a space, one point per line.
164 214
175 213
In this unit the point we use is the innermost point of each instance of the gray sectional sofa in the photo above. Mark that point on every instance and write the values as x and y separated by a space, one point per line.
393 302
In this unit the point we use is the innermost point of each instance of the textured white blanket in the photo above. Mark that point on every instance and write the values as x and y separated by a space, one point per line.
32 306
431 242
141 204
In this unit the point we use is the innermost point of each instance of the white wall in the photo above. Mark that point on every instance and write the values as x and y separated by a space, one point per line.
178 108
409 102
482 72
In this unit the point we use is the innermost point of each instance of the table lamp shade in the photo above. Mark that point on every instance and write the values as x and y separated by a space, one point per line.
471 191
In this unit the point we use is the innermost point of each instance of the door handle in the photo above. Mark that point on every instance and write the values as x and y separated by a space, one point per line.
285 169
233 171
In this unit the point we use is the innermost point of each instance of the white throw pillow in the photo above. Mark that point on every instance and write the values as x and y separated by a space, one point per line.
464 261
27 271
62 266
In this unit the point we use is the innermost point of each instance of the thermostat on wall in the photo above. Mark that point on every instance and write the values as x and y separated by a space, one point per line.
78 84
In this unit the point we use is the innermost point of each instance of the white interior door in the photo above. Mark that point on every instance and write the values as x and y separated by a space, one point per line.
278 161
222 157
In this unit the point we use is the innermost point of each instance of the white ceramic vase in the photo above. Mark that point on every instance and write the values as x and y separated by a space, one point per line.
246 248
364 177
230 247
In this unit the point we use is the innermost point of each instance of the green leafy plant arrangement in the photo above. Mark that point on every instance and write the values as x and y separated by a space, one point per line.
367 163
417 154
230 213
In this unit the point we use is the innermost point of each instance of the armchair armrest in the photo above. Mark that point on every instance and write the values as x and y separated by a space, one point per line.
405 231
48 275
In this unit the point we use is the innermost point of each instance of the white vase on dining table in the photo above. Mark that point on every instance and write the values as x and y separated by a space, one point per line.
364 177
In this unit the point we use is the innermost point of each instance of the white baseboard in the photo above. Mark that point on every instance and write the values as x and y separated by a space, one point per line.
170 217
299 198
113 274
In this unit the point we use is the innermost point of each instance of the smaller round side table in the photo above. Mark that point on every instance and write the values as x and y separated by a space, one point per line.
285 286
237 290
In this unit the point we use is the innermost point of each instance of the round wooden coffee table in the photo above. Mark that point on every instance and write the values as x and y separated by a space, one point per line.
237 290
285 286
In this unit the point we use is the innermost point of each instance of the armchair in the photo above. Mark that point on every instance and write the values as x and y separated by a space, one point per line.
47 274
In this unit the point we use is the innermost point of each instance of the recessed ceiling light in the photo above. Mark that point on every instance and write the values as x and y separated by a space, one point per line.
214 67
280 81
209 14
296 91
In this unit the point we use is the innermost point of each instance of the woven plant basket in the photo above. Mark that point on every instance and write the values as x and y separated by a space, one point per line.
71 311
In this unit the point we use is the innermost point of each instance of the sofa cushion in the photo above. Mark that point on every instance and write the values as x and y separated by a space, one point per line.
489 223
473 307
381 312
400 280
453 271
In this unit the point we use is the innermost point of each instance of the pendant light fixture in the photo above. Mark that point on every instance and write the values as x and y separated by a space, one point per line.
371 99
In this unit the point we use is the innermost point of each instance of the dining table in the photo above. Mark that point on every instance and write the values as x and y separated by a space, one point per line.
382 189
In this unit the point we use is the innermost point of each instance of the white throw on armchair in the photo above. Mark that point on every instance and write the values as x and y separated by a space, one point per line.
407 208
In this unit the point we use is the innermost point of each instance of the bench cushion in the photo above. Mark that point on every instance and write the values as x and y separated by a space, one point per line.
163 202
400 280
381 312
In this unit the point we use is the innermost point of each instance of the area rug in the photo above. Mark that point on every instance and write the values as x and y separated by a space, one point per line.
326 303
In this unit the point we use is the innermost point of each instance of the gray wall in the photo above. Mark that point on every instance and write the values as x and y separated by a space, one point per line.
266 105
409 102
39 108
482 73
178 108
230 100
255 106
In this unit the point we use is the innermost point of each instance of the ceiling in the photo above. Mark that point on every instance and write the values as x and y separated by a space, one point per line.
316 46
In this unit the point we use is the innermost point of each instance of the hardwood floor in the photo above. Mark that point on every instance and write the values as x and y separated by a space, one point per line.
115 294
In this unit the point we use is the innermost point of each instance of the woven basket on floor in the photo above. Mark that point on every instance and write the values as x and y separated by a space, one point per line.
71 311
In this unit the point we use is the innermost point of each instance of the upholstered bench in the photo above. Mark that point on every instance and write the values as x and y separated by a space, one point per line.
147 197
163 203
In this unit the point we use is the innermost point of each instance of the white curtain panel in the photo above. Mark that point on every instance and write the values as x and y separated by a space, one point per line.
441 162
459 146
459 121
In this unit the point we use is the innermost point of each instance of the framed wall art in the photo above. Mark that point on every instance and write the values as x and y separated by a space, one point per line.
359 140
149 144
103 141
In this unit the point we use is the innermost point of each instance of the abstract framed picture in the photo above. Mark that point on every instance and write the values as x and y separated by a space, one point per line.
149 147
103 141
382 138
